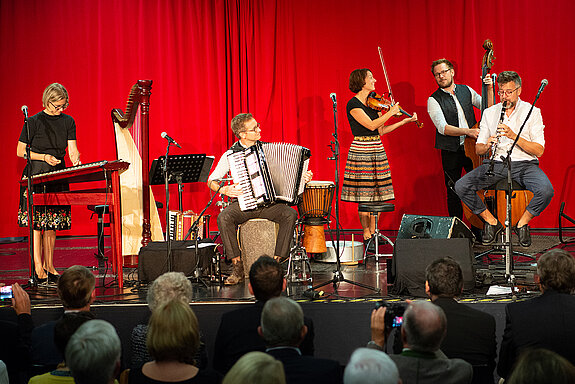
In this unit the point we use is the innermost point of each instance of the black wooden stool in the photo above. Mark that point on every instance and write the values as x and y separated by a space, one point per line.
100 210
375 208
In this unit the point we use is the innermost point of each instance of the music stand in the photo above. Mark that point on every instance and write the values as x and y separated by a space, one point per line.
181 169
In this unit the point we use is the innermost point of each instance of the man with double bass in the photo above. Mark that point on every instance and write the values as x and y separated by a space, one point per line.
450 108
501 126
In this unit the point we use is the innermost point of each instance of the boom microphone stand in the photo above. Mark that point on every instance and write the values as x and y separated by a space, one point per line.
33 278
337 274
507 162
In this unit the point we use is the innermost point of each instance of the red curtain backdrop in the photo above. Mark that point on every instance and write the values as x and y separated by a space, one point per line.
280 60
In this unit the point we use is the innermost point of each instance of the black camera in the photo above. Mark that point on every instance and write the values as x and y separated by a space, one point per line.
393 314
6 293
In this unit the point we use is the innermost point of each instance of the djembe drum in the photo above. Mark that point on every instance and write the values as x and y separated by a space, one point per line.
314 210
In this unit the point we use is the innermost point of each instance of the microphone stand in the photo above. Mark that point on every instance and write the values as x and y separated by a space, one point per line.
167 189
507 162
33 278
196 278
337 274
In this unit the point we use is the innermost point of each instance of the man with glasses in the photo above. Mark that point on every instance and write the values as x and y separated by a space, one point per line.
248 131
502 127
450 108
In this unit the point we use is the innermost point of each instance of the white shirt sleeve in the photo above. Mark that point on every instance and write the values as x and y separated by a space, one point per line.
222 168
436 115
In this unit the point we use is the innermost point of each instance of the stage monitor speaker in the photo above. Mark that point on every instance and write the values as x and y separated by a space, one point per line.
152 259
412 256
432 227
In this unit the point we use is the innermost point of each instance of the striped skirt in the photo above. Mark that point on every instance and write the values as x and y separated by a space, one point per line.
367 176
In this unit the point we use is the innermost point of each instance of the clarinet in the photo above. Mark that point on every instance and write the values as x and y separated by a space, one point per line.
494 149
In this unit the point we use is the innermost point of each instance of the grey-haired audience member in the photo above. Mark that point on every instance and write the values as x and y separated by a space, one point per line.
368 365
93 353
283 329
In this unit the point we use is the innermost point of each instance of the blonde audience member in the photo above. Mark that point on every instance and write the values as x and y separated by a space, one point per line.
173 339
256 368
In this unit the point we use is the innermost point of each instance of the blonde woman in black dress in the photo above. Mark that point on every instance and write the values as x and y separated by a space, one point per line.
51 133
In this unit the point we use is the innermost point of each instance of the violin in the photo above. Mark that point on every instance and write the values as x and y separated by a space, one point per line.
379 103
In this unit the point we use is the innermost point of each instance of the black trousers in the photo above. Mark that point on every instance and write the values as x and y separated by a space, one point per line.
453 165
231 217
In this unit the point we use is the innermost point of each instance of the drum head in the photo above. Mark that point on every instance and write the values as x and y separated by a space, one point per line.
320 184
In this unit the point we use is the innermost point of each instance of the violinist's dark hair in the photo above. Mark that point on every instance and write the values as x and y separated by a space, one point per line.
507 76
357 79
441 61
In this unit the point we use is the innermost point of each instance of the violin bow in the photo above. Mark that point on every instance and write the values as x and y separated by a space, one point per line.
386 77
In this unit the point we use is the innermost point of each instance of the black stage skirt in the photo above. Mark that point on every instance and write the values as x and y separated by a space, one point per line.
46 217
367 176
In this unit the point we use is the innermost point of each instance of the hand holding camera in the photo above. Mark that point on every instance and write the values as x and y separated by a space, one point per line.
384 317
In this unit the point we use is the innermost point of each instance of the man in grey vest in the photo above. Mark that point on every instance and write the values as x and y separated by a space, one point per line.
450 108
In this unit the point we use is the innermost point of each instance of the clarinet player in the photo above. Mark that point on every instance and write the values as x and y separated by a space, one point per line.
502 128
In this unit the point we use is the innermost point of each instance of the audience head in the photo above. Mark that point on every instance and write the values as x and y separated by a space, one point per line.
173 333
444 278
282 323
169 286
76 287
93 353
556 270
266 278
541 366
370 366
67 326
424 326
256 368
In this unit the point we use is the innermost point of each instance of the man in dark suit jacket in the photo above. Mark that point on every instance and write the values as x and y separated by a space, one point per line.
546 321
238 331
76 292
283 329
470 332
421 361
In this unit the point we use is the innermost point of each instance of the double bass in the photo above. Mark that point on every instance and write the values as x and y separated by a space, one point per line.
494 200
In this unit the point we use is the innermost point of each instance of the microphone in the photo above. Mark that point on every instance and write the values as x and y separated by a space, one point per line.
544 83
333 98
24 109
493 78
170 140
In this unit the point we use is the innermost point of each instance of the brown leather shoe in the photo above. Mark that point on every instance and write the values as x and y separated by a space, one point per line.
237 275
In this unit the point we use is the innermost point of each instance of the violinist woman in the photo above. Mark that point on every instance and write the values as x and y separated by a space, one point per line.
51 132
367 177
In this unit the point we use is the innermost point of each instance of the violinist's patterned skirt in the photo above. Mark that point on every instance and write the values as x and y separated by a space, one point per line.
367 176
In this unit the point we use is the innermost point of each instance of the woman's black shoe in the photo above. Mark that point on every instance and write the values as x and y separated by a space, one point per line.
52 278
39 280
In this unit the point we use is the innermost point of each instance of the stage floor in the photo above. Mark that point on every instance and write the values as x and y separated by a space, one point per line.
490 270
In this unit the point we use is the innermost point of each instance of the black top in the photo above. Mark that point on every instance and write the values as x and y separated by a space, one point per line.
356 128
50 134
203 377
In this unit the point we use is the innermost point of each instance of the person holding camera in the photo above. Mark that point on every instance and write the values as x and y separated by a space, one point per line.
422 331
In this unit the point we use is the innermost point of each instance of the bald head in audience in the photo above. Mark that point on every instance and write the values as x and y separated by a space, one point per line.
424 327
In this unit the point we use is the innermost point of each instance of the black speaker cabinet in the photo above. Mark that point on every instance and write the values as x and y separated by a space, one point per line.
432 227
412 256
152 259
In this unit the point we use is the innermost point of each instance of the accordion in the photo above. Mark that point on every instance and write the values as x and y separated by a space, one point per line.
180 222
269 173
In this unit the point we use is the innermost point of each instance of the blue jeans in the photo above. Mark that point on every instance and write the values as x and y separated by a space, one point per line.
526 173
